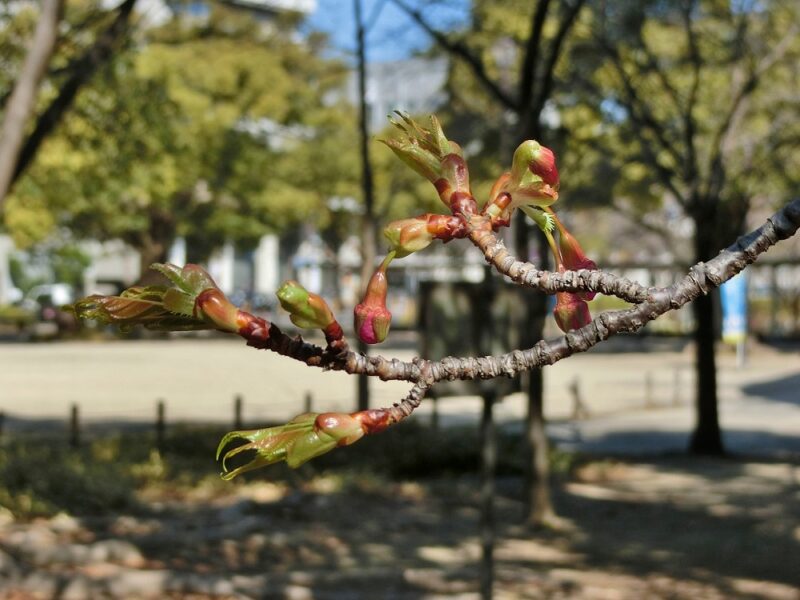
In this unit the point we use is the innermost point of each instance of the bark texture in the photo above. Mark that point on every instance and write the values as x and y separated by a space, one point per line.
22 101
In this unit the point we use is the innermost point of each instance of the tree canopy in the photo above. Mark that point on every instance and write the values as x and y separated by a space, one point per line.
215 130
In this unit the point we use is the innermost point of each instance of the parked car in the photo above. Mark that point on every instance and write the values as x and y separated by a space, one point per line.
45 302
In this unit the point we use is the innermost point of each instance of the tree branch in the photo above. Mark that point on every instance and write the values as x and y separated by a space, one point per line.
548 74
82 69
527 275
747 88
638 108
691 166
459 49
530 60
654 302
23 98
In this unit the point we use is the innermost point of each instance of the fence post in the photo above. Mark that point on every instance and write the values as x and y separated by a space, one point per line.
308 403
160 425
434 412
676 391
237 411
579 408
74 427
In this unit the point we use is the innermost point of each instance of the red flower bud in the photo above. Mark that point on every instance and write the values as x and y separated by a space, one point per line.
574 257
534 176
571 312
372 323
372 318
543 164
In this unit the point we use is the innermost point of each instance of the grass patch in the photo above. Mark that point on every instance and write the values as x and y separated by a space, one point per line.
40 477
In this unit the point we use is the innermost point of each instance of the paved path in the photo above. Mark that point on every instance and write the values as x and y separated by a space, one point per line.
198 378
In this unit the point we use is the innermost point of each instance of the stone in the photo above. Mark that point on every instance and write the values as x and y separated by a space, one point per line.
65 554
78 588
140 584
64 523
9 570
41 585
116 551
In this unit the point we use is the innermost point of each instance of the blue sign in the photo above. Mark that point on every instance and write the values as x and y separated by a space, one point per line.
734 309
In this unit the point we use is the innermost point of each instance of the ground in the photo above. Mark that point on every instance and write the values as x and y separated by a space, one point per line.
653 525
671 528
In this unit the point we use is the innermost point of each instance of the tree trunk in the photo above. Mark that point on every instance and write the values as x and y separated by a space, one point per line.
539 510
707 437
149 253
487 519
539 506
367 186
23 99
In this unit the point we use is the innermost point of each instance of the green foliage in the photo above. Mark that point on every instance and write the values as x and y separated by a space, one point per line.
162 143
15 315
41 476
687 134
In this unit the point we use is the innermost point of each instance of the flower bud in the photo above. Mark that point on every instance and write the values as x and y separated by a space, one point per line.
534 176
571 312
432 155
344 429
407 236
192 302
306 310
573 256
305 437
372 323
539 160
214 307
372 318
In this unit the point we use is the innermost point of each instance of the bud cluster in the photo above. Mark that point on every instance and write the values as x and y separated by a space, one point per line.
437 159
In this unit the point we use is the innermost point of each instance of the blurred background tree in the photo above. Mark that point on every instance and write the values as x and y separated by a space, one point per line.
689 107
502 83
215 130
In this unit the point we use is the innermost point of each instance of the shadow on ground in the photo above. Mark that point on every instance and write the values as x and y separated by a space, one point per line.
782 389
672 528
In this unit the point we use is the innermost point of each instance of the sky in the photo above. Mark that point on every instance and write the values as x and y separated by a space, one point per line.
391 36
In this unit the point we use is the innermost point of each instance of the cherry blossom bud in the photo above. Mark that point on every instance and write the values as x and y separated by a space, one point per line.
534 176
571 312
573 256
216 308
305 437
192 302
432 155
345 429
306 310
407 236
372 318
